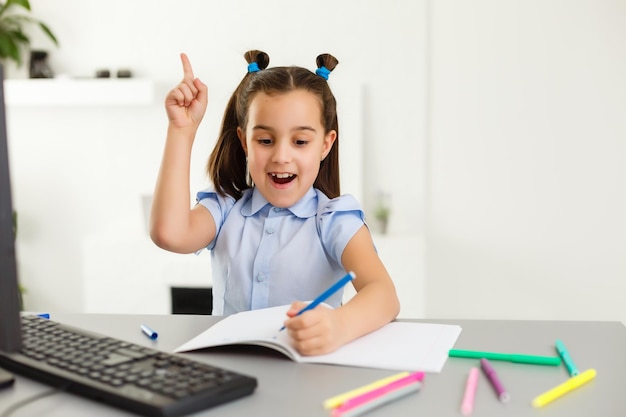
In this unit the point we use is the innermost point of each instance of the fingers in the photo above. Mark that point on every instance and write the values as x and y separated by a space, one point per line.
296 306
311 334
187 71
202 95
189 88
187 102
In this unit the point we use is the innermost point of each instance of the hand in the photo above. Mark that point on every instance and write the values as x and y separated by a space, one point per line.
314 332
187 102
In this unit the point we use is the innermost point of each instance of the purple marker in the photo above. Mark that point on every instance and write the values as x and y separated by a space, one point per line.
494 380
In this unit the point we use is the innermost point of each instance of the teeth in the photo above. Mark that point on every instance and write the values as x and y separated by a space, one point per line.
285 175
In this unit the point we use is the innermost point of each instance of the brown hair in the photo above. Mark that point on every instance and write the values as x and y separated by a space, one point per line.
227 164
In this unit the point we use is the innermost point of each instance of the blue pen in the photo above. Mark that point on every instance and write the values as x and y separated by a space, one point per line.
323 296
567 359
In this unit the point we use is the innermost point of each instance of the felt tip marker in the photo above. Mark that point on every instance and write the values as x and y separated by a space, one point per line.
354 410
567 359
511 357
337 400
323 296
149 332
494 380
467 406
567 386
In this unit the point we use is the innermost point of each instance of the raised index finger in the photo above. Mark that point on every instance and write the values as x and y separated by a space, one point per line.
187 71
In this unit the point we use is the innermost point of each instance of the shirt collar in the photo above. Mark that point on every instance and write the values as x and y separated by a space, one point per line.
304 208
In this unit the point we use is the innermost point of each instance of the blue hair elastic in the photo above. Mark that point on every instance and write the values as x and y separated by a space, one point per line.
323 72
253 67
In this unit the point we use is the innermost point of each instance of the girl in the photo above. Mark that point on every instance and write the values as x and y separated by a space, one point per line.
277 228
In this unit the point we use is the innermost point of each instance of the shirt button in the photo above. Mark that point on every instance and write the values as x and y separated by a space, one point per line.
260 278
277 209
269 231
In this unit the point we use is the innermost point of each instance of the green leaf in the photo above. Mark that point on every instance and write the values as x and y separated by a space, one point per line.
9 49
19 36
48 32
23 3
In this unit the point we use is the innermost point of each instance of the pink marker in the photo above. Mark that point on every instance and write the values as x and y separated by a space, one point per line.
364 398
467 406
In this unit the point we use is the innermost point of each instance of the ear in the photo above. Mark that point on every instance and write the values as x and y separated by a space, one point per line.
242 139
329 141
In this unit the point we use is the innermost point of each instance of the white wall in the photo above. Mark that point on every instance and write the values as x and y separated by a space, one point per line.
519 187
527 160
79 172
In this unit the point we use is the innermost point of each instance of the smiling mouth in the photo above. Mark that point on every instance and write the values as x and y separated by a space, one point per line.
282 177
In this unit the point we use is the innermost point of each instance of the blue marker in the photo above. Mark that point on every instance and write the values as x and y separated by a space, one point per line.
323 296
149 332
567 359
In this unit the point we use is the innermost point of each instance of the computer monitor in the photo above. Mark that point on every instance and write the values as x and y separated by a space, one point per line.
10 331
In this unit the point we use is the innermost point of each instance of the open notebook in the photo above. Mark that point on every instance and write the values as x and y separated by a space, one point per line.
401 346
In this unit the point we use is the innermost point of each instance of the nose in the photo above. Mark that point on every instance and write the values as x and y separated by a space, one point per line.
282 152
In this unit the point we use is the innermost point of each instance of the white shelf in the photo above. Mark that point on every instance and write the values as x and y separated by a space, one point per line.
79 92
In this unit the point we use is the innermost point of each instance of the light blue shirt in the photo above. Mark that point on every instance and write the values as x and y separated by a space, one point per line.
265 256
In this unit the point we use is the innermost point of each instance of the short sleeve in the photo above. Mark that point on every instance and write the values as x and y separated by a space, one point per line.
338 220
218 206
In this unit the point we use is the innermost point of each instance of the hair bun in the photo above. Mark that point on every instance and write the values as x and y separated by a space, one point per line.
261 58
326 60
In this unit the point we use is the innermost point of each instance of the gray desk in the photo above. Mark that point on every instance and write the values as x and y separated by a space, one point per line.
290 389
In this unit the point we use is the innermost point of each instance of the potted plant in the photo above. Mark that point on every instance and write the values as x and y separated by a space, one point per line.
382 211
13 40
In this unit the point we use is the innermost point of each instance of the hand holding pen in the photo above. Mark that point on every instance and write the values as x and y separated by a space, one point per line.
317 334
324 296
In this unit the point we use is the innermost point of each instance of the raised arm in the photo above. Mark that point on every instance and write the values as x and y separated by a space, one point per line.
175 226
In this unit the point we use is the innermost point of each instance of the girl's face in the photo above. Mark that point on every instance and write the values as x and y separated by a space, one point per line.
285 142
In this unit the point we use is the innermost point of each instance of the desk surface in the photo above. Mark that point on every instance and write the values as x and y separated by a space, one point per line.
288 388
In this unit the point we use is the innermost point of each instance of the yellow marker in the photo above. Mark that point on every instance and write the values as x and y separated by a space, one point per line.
337 400
567 386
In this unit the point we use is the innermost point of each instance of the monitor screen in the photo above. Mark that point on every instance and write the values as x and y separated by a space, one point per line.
10 332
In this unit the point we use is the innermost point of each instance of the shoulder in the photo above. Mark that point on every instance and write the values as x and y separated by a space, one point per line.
210 196
339 205
219 206
338 220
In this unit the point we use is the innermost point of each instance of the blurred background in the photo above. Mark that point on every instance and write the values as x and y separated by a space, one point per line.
491 133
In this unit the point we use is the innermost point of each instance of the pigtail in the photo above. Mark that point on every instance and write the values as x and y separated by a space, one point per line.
227 167
326 60
327 179
325 64
260 58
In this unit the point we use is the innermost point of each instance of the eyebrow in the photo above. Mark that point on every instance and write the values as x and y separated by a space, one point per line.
295 129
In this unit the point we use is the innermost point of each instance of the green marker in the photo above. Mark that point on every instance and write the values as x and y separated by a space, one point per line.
511 357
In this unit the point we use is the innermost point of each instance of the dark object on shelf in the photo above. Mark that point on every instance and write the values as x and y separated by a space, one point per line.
189 300
124 73
39 67
103 73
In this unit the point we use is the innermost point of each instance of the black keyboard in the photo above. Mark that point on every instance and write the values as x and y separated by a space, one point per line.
122 374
